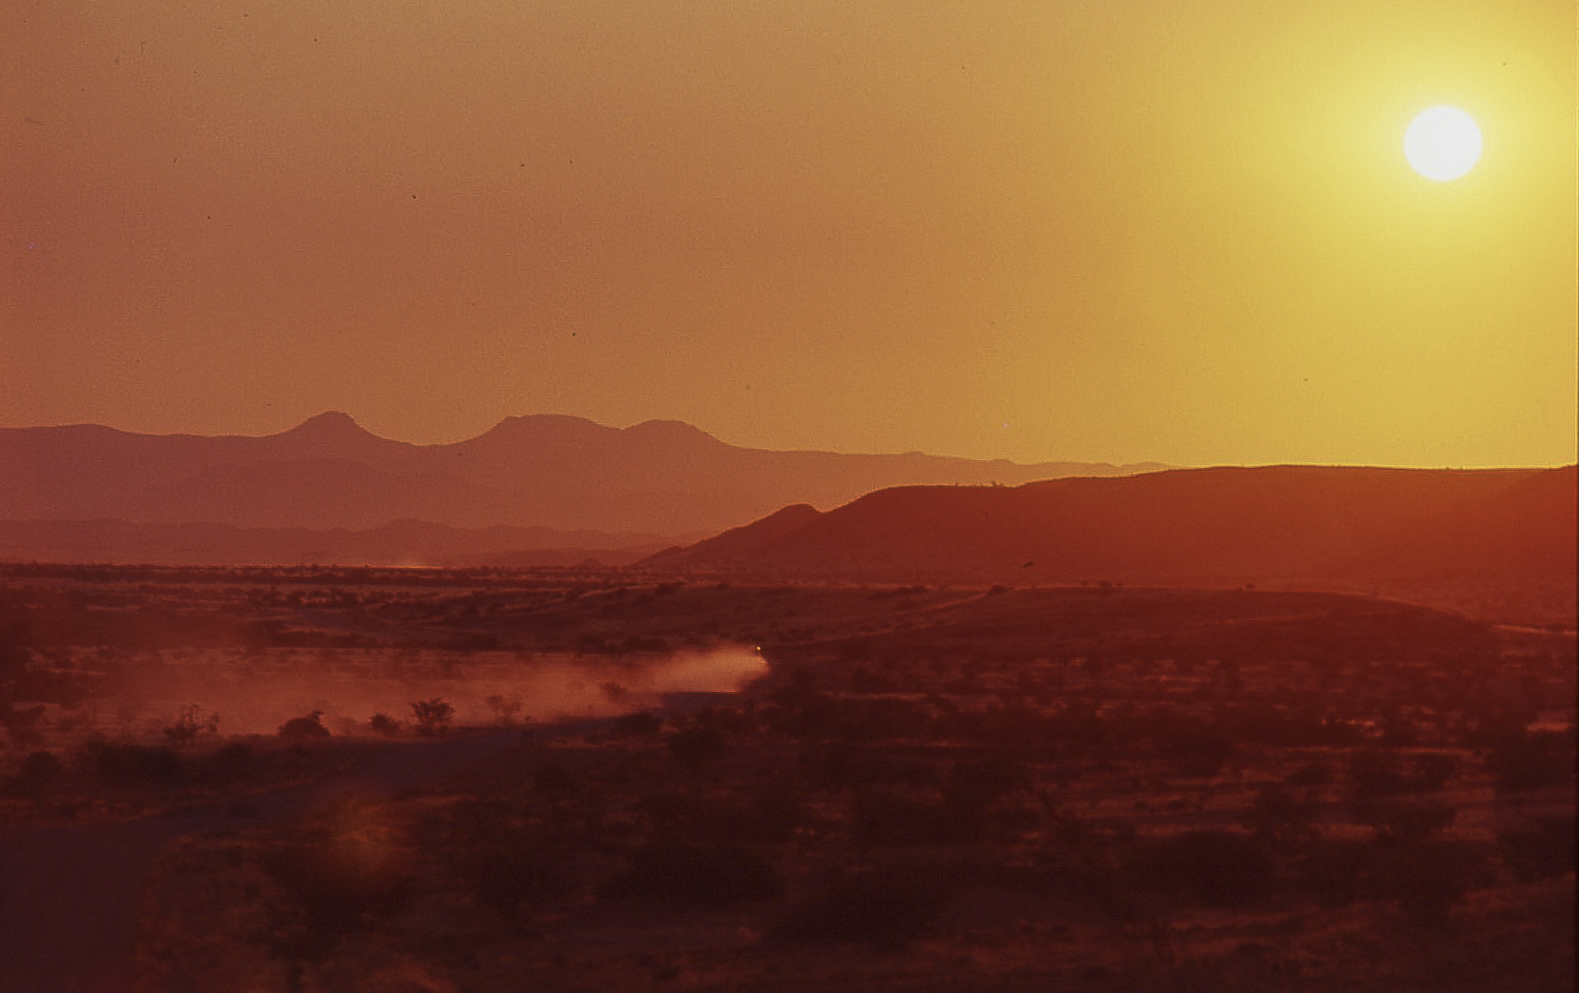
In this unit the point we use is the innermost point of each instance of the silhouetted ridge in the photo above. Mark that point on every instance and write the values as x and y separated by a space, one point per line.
747 541
332 424
671 431
1323 526
543 426
551 470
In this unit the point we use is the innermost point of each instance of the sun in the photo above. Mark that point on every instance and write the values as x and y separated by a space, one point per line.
1442 143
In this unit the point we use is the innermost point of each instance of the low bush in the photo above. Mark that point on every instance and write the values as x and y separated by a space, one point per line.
508 876
1337 872
39 774
134 764
337 876
1541 850
697 746
433 716
304 728
700 876
640 723
1399 820
1428 879
887 908
1531 760
1220 868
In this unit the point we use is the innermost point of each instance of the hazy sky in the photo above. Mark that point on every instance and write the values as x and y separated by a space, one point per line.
1092 229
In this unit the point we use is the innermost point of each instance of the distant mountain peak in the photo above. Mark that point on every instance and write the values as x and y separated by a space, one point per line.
334 431
330 422
536 428
670 430
527 420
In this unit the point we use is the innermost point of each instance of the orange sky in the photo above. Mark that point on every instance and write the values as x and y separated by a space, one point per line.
1113 231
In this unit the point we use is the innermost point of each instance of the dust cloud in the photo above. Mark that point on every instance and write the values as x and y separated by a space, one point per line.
257 692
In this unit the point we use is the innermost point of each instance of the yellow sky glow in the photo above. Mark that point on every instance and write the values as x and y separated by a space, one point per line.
1115 231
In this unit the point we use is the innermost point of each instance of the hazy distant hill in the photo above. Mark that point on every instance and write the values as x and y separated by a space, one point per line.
1356 528
565 473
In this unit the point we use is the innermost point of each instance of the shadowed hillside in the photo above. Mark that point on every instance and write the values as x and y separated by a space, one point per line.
1333 527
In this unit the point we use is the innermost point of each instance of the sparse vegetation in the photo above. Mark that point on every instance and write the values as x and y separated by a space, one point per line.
192 723
304 728
433 716
1025 790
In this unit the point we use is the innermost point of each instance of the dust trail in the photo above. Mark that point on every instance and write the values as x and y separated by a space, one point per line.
256 694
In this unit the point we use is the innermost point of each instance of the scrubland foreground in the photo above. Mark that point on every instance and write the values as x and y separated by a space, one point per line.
915 789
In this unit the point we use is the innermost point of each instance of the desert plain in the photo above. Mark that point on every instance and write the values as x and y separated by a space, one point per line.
484 780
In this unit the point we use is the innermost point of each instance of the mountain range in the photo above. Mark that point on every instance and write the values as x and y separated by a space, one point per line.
578 485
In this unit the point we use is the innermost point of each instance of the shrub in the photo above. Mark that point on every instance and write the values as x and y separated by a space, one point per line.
639 723
695 876
506 709
1282 816
553 778
1531 760
768 815
1542 850
191 723
1428 879
1404 821
233 760
1197 750
1338 871
1221 868
433 716
1432 770
140 764
882 815
304 728
385 725
698 746
1310 774
1376 772
342 873
40 771
23 726
510 875
884 907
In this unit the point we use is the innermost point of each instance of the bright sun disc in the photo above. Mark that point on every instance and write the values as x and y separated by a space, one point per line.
1442 143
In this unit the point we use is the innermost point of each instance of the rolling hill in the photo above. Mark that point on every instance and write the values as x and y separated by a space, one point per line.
1474 532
